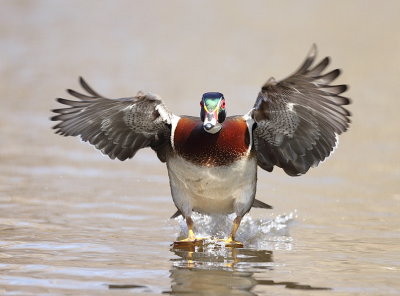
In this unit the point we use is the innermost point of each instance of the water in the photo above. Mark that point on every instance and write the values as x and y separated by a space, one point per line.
73 222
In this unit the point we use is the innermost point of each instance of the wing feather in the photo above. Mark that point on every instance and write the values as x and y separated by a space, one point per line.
298 119
117 127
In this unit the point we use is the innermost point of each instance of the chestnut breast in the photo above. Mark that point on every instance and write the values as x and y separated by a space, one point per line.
194 144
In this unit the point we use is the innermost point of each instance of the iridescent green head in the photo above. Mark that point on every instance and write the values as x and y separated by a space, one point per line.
212 111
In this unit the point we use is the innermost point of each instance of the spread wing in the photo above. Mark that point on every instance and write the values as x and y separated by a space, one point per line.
299 118
117 127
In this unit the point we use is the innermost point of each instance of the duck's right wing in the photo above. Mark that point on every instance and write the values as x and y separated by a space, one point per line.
117 127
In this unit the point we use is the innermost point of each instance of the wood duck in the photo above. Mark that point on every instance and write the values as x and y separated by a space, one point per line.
212 160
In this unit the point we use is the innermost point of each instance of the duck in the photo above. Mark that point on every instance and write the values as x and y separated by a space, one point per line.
212 160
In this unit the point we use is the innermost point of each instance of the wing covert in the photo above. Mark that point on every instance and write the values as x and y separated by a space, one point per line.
117 127
299 118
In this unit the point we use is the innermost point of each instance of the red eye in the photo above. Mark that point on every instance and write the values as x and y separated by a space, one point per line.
223 105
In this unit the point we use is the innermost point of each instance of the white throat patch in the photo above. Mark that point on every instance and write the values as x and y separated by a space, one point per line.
215 129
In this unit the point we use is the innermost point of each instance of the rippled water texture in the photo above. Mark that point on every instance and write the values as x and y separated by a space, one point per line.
73 222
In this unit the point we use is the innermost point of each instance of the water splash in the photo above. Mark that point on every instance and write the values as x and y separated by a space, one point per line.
257 233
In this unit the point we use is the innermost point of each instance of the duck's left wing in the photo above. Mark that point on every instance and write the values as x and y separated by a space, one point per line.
299 118
117 127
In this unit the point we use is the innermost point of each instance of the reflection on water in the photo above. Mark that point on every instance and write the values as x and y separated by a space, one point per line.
214 282
223 271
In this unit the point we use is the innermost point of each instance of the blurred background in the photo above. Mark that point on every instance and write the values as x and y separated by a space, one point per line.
70 218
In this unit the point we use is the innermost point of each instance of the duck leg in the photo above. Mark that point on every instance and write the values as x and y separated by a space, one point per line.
189 223
230 241
191 239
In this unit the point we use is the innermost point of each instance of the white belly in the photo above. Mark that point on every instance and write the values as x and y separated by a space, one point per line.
225 189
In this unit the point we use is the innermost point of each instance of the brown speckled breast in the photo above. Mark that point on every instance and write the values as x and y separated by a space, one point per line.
193 143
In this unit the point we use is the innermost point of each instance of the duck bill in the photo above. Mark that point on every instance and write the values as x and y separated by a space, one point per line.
211 124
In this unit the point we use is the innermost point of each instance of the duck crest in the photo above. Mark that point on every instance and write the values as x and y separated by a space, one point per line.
196 145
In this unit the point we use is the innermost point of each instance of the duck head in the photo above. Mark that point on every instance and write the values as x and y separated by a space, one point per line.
212 111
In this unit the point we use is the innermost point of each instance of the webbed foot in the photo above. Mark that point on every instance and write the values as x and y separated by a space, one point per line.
188 242
231 243
191 240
